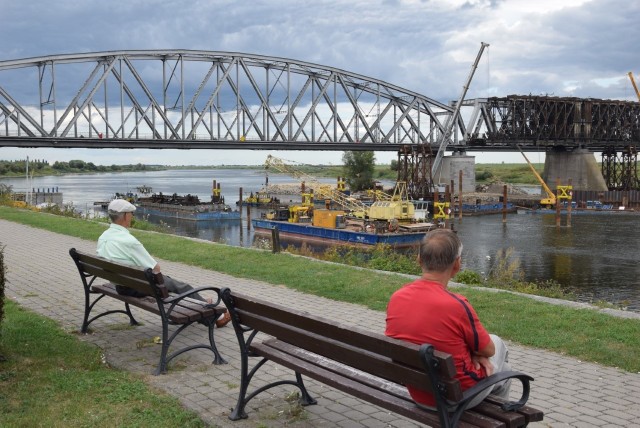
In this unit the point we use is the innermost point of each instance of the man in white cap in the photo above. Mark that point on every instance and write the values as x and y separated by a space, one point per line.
117 244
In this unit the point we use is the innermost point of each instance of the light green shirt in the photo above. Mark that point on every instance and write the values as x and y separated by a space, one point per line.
117 244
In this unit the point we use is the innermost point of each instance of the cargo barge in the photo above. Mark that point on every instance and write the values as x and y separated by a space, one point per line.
332 227
187 207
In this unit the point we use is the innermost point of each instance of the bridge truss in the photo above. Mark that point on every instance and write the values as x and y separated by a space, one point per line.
198 99
609 126
182 99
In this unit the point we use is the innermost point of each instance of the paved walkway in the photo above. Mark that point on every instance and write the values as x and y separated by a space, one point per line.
40 271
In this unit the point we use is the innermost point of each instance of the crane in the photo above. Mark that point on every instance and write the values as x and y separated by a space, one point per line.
550 200
451 120
633 82
349 204
396 207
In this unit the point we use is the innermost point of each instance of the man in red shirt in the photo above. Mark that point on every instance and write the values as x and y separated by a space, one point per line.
425 311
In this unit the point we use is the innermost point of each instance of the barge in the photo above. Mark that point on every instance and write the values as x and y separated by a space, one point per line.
188 207
332 227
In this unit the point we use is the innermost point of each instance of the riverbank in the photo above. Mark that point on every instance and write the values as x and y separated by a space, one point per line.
599 392
336 282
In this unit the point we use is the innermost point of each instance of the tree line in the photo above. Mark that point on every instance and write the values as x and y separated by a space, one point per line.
42 167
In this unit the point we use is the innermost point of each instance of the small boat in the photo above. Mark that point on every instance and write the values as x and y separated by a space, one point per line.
188 207
332 226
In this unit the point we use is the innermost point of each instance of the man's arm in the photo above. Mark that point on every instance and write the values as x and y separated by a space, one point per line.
481 358
488 350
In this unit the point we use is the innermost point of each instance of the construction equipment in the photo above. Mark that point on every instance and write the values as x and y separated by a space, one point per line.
451 120
356 207
550 200
635 87
397 207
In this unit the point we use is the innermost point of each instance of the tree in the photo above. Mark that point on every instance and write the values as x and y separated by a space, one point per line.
359 168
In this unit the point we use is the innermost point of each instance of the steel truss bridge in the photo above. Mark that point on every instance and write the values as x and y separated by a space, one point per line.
182 99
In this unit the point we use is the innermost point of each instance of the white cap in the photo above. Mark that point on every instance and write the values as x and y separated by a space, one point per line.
121 206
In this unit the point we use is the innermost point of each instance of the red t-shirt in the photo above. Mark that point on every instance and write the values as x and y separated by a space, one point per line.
425 312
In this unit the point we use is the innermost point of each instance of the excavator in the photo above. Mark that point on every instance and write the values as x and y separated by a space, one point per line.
550 200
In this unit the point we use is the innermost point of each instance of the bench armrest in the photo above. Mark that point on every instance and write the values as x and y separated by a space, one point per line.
495 378
176 298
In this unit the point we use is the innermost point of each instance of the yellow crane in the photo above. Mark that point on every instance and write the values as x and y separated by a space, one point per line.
633 82
396 207
550 200
324 190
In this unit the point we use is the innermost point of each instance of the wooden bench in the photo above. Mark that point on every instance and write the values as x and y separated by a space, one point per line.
367 365
179 311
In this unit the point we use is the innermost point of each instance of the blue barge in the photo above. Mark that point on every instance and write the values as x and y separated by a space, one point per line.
308 232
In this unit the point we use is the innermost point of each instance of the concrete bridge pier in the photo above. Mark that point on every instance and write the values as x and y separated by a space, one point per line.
579 165
450 171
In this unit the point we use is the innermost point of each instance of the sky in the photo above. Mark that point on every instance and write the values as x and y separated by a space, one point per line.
545 47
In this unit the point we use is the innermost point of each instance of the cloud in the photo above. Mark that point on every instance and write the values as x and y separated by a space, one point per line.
564 48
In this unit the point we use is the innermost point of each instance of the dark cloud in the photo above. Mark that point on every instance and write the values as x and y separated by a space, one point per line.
425 46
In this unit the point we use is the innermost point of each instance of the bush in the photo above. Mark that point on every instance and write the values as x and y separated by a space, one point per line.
468 277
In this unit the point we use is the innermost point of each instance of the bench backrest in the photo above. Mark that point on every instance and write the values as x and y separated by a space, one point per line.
137 278
377 354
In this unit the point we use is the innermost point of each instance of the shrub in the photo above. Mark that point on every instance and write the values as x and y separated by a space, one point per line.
468 277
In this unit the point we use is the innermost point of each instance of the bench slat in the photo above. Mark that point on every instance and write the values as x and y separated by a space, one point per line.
530 414
345 370
348 354
511 419
403 352
372 395
367 379
182 314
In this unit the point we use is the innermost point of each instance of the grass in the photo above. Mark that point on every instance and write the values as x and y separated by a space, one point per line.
515 173
584 334
50 378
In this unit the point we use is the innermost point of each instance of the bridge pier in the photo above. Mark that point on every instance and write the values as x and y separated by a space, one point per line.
579 165
450 171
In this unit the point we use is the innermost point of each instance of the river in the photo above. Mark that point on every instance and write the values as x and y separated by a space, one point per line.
597 257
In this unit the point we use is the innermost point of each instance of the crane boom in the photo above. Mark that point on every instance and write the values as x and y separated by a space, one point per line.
324 190
633 82
451 120
551 197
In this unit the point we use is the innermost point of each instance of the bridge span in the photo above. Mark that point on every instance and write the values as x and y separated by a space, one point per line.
183 99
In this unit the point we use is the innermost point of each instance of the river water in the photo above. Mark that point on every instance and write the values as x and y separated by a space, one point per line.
597 257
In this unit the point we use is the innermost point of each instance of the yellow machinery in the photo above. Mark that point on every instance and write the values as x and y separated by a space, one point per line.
635 87
397 207
328 218
356 207
300 214
550 200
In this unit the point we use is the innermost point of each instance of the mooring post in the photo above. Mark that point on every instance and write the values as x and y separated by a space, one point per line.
275 240
569 203
240 199
248 216
504 203
557 202
460 195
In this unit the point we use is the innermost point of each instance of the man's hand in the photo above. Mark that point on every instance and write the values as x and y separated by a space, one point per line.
479 361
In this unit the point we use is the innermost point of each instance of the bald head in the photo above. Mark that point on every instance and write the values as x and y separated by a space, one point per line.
439 250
